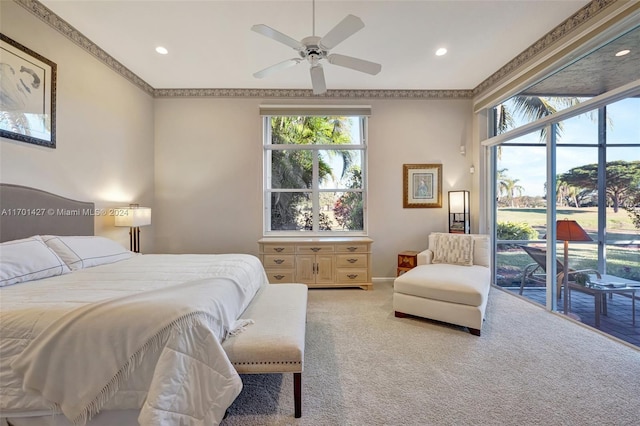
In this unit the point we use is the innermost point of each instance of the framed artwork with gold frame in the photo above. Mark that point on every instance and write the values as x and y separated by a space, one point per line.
422 185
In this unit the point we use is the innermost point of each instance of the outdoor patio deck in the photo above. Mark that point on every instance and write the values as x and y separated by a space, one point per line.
617 322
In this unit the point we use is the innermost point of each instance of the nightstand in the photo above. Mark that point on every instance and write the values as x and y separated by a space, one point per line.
407 260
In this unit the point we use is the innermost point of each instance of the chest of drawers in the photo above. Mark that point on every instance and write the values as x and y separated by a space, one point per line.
318 262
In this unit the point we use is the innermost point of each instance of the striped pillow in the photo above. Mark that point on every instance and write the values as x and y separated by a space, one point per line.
454 249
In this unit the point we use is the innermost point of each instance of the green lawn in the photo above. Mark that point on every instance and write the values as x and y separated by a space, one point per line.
623 259
619 225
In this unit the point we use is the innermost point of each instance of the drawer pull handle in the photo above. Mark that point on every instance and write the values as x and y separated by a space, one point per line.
315 249
279 249
352 276
352 260
278 261
278 277
352 248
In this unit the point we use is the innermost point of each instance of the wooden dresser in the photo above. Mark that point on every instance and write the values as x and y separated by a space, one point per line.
318 262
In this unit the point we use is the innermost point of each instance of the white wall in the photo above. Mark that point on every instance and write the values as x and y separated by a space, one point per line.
208 160
104 123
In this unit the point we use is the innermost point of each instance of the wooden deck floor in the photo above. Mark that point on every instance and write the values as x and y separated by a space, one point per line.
617 322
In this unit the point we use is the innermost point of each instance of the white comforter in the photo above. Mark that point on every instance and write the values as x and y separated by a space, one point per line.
203 385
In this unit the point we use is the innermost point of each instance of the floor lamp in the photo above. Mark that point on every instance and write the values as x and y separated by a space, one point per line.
134 217
568 230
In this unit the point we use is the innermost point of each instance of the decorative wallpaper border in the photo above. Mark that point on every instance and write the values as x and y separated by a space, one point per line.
308 93
563 30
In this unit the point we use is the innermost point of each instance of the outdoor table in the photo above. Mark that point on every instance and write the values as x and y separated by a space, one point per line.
599 292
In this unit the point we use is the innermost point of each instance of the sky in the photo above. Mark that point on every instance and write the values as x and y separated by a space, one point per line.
528 164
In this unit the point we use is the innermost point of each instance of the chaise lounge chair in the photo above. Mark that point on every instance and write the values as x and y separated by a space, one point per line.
537 271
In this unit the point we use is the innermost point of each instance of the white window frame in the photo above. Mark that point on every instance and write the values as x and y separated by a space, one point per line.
631 89
315 191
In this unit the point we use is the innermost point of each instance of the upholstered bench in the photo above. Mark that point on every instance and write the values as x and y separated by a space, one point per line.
275 342
454 290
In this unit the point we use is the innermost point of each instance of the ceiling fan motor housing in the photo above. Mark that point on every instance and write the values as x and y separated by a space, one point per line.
312 50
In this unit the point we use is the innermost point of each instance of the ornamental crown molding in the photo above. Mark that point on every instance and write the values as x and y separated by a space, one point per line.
568 26
308 93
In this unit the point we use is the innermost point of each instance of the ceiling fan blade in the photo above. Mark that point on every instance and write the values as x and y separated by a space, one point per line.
277 36
277 67
346 28
317 80
354 63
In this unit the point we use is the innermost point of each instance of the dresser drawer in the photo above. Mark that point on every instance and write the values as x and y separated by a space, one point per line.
351 260
278 261
352 248
314 249
276 276
277 248
352 275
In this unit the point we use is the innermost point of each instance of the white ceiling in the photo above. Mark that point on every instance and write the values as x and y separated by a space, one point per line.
211 46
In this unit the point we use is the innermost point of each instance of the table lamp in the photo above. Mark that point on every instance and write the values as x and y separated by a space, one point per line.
568 230
134 217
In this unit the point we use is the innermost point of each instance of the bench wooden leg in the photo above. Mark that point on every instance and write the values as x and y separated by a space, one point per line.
474 331
297 394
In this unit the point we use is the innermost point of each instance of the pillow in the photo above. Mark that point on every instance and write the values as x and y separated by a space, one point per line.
454 249
84 252
28 259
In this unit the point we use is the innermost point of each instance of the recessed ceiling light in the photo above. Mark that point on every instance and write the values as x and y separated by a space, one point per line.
441 51
623 52
161 50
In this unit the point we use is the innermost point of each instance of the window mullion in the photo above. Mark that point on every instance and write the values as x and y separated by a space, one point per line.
315 196
602 189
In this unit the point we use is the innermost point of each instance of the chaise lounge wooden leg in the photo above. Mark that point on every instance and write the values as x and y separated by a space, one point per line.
474 331
400 314
297 394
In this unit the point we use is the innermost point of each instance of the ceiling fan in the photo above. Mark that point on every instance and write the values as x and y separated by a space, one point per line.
314 49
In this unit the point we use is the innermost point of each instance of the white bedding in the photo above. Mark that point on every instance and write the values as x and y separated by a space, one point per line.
27 309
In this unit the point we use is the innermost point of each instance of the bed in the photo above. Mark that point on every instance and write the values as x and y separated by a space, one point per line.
158 320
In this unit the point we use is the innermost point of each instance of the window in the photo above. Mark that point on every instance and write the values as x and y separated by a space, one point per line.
314 174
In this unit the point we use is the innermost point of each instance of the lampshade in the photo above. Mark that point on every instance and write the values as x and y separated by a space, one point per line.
569 230
133 216
458 201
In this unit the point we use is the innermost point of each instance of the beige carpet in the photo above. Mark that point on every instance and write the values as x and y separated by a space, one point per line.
363 366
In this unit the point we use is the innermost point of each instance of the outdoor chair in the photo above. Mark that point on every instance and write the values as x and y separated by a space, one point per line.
537 271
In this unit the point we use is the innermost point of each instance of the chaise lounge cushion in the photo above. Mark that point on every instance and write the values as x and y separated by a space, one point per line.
449 283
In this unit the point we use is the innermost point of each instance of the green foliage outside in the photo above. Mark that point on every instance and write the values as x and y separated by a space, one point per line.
633 209
348 209
576 197
293 169
622 249
623 181
516 231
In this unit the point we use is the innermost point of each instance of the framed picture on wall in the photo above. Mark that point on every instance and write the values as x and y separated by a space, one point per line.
422 185
28 93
